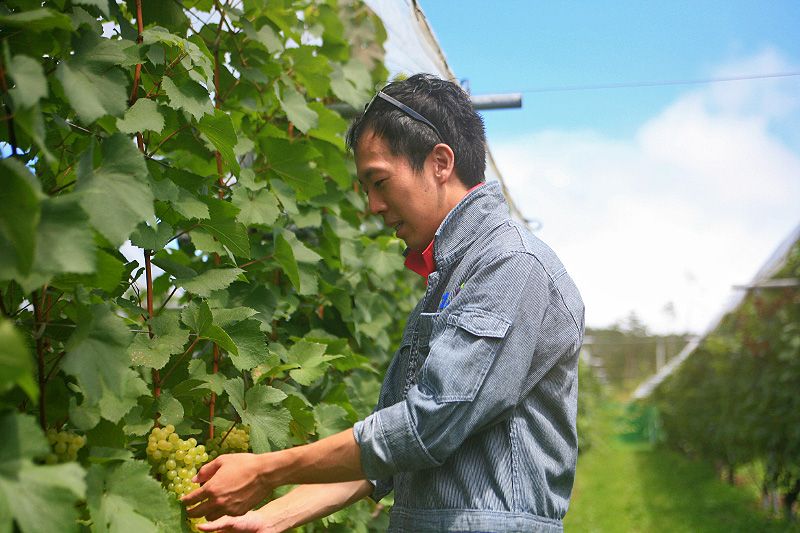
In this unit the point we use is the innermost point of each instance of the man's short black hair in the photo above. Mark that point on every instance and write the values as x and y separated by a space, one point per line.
446 105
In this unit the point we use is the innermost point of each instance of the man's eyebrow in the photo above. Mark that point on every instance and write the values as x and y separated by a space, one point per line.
367 176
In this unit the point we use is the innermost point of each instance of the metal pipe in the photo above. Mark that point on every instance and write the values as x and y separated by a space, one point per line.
496 101
479 102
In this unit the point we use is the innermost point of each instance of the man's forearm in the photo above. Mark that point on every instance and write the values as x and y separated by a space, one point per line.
234 484
307 503
330 460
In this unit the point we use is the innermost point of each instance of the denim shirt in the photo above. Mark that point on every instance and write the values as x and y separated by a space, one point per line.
475 424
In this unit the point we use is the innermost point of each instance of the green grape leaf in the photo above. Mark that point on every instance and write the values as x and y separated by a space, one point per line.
225 317
123 497
29 80
113 407
214 382
20 211
200 320
250 343
311 359
297 110
265 35
173 268
97 353
259 408
92 82
229 233
26 488
345 89
189 205
211 280
147 237
82 416
108 276
136 423
285 257
168 339
303 417
219 130
257 208
331 419
301 252
292 163
101 5
330 129
170 409
380 262
43 19
190 96
16 361
311 69
116 194
142 116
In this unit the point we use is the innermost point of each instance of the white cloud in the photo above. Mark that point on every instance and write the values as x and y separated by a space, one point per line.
691 206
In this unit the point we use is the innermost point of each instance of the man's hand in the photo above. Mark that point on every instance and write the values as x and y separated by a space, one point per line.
250 522
233 484
301 505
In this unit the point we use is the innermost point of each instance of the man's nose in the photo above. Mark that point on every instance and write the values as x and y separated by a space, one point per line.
376 203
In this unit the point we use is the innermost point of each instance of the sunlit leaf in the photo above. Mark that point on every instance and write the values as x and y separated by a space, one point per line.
250 343
260 409
115 194
297 110
42 19
123 497
257 208
26 488
285 257
210 280
94 85
28 76
20 211
141 116
219 130
97 353
16 361
189 96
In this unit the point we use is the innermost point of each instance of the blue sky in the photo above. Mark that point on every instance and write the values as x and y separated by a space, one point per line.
668 194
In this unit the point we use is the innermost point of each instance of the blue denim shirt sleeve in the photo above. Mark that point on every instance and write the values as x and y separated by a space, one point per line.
480 361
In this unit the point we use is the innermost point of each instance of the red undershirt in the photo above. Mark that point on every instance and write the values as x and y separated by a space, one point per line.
422 262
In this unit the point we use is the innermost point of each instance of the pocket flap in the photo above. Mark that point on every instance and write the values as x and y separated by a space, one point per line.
480 323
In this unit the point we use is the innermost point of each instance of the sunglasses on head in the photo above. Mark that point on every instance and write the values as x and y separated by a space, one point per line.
404 108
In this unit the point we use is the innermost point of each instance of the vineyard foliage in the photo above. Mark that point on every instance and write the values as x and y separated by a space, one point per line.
734 401
181 244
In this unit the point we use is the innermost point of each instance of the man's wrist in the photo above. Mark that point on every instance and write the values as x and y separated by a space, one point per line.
278 468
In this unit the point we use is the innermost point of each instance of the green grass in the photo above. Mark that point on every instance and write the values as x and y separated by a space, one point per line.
628 487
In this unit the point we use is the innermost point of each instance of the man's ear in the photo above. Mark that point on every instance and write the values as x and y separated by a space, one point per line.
443 160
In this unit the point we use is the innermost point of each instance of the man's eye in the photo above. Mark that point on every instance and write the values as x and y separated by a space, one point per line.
378 183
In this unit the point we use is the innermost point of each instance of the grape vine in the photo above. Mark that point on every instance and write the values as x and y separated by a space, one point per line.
185 266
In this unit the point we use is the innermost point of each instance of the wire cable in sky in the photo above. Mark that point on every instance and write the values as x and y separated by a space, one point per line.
655 83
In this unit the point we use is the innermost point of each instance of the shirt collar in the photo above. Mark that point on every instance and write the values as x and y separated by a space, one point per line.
423 262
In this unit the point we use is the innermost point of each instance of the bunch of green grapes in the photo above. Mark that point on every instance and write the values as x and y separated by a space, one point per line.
174 459
65 446
235 441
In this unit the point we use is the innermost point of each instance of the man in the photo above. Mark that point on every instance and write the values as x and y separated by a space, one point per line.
475 425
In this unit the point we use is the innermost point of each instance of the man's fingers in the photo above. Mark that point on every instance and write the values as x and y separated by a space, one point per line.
226 523
207 470
210 510
240 524
196 496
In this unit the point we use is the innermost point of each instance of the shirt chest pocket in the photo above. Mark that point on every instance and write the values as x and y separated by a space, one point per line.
460 356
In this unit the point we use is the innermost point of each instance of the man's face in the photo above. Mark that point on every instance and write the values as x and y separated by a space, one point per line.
411 203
